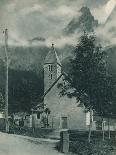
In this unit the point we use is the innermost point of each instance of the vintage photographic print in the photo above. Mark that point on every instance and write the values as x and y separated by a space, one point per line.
57 77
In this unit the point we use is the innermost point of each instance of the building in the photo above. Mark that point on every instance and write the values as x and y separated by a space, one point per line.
64 112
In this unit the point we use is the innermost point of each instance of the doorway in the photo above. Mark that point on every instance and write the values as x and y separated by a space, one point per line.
64 122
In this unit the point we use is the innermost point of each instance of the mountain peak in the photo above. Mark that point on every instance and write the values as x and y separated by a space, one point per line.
84 22
112 15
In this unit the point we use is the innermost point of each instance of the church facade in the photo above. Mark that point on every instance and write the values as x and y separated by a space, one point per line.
64 112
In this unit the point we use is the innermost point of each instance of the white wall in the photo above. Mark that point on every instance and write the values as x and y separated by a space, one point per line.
63 106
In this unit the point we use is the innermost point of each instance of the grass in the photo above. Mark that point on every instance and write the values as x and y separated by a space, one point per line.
107 147
79 144
25 131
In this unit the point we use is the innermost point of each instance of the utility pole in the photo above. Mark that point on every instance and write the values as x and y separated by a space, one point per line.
6 80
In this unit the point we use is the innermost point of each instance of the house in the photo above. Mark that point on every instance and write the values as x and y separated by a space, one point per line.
22 119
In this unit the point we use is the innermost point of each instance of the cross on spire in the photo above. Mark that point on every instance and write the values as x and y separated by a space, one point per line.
53 45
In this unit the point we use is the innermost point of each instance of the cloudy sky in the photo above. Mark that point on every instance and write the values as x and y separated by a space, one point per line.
27 19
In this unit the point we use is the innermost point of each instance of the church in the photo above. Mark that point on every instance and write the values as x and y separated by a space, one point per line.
60 112
64 112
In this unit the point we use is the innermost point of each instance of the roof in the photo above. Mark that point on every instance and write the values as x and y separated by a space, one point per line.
45 93
52 57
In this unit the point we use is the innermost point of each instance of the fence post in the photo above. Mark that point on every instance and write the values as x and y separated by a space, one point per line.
64 141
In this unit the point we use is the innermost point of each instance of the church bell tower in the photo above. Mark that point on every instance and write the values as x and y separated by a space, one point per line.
52 68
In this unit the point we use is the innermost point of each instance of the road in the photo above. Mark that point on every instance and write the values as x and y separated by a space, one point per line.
14 145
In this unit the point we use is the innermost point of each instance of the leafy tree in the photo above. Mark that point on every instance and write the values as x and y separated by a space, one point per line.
89 80
109 108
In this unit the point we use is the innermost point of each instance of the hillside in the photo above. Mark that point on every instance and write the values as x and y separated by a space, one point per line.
26 74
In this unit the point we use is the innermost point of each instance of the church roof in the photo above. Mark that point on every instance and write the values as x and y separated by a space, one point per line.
45 93
52 57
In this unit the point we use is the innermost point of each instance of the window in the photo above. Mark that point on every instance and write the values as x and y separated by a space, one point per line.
51 76
38 115
50 67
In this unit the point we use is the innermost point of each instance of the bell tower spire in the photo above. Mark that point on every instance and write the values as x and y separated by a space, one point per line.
52 68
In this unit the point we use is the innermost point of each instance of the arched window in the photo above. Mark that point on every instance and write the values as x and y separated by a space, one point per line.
50 67
51 76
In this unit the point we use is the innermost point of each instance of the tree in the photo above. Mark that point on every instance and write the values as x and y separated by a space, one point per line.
25 90
108 107
89 81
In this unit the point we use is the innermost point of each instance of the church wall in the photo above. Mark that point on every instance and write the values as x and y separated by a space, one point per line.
64 107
